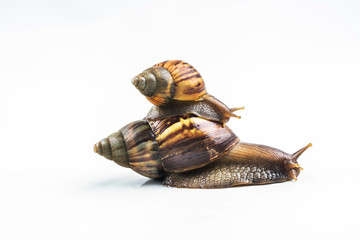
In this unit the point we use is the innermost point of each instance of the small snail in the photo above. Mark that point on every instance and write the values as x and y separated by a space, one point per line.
193 152
177 88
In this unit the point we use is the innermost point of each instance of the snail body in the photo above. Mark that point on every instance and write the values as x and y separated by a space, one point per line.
192 152
245 164
209 108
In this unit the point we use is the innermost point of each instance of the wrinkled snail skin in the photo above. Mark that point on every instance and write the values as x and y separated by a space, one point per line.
245 164
176 144
209 108
170 80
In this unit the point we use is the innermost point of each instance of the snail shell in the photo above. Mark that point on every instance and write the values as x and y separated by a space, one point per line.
176 144
192 152
170 80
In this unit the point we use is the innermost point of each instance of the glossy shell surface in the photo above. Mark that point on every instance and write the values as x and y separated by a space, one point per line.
188 142
170 80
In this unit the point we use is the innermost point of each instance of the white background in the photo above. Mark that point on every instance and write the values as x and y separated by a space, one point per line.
65 70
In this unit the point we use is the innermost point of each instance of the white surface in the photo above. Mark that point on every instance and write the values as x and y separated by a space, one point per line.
65 70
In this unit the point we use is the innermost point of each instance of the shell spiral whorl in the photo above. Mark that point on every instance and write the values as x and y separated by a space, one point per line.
113 148
154 80
133 146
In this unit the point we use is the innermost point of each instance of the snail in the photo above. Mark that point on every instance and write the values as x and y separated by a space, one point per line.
175 88
192 152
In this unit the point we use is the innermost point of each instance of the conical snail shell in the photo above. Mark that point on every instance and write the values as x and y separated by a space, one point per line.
175 144
170 80
133 146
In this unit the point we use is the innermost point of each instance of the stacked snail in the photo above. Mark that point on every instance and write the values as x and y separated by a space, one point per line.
184 138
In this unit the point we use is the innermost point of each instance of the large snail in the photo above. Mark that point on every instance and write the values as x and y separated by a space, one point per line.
184 139
244 164
193 152
176 88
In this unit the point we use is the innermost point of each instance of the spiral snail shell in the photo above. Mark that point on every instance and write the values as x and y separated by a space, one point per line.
170 80
192 152
175 144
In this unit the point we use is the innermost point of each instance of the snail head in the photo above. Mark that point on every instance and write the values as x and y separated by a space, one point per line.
291 164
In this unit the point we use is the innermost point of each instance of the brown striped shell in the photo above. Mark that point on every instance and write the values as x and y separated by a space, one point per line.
170 80
187 143
175 144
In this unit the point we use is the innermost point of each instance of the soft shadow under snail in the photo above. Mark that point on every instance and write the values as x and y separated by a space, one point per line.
184 138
